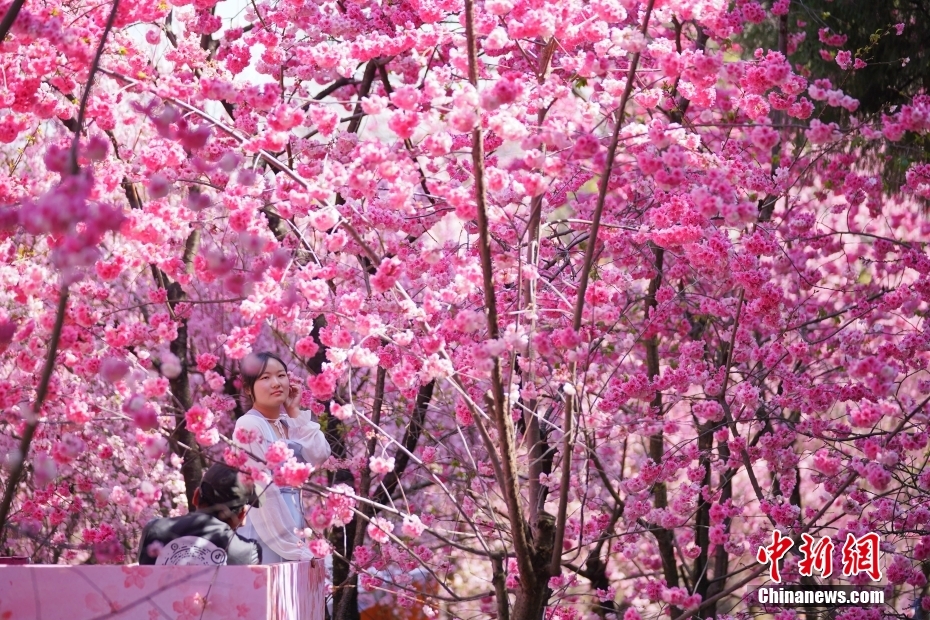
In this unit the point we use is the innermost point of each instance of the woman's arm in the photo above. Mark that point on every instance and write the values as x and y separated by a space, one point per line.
307 433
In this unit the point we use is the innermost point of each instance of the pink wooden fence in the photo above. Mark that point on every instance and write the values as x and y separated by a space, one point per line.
291 591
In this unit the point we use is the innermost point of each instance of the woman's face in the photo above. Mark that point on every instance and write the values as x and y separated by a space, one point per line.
272 387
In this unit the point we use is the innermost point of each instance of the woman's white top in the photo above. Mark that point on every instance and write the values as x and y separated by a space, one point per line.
272 520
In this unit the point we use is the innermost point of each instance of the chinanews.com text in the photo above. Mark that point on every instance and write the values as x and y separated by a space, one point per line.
820 596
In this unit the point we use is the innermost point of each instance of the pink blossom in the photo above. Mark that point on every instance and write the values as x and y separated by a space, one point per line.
45 469
387 275
802 109
320 547
412 527
379 529
820 133
199 419
324 219
709 410
306 347
363 555
7 331
403 123
153 549
826 464
294 207
877 476
866 415
381 465
208 437
143 414
746 395
363 357
405 98
322 385
283 118
155 387
429 455
781 7
235 457
315 292
765 137
844 59
206 361
325 120
504 91
436 367
277 453
291 473
631 614
320 518
586 146
108 551
677 235
159 186
214 380
245 436
342 412
154 446
753 12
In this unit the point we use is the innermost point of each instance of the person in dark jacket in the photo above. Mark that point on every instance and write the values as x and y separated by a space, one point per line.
207 536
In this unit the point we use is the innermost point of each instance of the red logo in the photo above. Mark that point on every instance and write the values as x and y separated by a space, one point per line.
773 553
817 557
860 555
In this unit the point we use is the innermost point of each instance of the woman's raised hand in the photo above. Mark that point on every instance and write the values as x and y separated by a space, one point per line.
292 402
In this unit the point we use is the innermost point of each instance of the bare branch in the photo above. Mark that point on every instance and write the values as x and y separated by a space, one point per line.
9 17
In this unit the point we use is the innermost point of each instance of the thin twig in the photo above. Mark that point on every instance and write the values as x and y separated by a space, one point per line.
82 111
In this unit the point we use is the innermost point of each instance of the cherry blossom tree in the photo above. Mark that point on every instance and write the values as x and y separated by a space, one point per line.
590 297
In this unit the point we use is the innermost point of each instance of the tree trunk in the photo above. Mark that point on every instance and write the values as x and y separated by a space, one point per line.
182 441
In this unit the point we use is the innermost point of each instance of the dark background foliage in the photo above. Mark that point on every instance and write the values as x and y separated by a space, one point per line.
898 66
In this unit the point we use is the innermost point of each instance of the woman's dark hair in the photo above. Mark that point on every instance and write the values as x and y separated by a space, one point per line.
252 368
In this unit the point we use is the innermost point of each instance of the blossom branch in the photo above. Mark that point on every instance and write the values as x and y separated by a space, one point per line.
502 418
747 463
32 417
95 65
402 448
584 276
42 390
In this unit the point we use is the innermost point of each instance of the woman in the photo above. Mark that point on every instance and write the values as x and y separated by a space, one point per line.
275 416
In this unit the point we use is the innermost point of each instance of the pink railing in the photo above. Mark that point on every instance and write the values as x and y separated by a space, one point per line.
292 591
